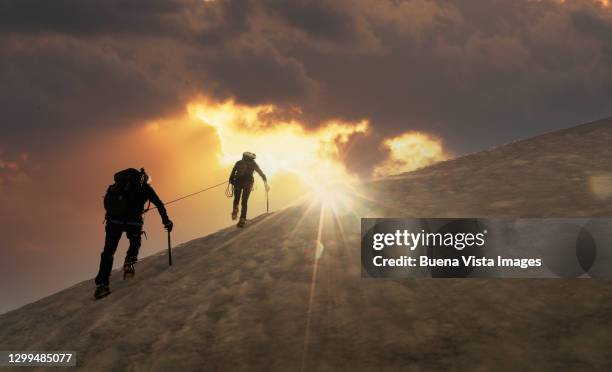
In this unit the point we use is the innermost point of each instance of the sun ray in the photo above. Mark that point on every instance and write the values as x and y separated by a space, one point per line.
298 224
313 281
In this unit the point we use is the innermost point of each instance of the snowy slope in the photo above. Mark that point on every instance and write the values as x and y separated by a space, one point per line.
246 299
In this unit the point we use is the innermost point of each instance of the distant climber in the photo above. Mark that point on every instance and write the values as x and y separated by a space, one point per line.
124 203
242 179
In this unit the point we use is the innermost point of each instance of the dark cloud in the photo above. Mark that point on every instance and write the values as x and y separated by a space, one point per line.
89 17
54 87
261 75
474 73
324 20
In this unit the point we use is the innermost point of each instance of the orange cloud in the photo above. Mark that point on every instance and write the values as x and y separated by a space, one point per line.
410 151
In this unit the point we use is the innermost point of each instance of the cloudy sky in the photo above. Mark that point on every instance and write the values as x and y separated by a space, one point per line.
181 87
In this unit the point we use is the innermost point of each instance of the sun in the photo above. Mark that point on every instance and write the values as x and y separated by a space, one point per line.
337 196
331 186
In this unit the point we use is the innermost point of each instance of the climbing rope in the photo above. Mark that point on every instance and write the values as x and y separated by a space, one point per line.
229 190
192 194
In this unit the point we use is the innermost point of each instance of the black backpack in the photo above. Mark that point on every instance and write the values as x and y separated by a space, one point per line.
244 171
122 198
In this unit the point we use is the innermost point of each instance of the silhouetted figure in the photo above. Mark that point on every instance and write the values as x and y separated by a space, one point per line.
124 203
242 179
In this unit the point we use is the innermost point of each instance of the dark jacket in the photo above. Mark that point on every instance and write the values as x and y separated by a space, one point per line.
242 173
137 206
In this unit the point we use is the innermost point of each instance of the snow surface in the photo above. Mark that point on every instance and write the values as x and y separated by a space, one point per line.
244 299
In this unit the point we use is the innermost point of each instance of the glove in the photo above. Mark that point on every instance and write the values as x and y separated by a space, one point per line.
266 186
168 225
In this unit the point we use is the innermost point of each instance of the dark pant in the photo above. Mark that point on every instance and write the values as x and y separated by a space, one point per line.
133 231
245 192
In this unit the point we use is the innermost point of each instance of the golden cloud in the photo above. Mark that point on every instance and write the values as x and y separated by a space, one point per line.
280 145
410 151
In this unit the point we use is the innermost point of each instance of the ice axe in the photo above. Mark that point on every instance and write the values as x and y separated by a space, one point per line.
169 251
267 198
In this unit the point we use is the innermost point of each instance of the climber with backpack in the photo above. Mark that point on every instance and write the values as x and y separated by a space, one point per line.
124 203
241 179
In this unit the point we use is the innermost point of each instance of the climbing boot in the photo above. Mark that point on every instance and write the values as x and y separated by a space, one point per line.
102 291
128 270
